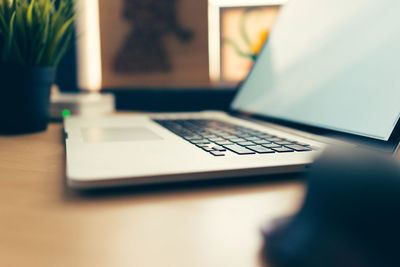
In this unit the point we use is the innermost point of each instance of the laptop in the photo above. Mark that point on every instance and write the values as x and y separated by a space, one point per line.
327 76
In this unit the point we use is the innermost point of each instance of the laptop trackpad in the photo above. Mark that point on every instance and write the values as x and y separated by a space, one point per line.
101 134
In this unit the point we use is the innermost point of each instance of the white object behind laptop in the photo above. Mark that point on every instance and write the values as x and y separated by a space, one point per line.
297 77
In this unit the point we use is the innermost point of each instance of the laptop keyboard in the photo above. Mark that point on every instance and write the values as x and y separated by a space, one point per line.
217 137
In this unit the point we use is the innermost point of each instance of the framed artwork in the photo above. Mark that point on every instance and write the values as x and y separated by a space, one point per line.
169 44
142 44
238 29
153 43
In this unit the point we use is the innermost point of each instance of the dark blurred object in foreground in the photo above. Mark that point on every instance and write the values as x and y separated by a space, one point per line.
350 216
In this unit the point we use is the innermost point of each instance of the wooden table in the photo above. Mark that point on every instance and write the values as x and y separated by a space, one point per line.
42 223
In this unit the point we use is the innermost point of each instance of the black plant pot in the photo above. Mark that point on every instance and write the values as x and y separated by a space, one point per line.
24 99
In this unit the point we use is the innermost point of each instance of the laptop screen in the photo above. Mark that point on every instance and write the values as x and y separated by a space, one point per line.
330 64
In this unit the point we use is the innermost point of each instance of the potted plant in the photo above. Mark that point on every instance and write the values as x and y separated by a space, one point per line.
34 36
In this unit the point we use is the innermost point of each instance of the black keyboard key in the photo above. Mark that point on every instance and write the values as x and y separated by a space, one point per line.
261 142
271 145
265 136
282 149
208 136
283 143
236 133
202 141
275 139
226 142
252 138
217 153
236 140
203 145
218 148
261 149
301 144
239 149
228 136
211 147
215 136
193 137
246 143
216 139
208 148
299 148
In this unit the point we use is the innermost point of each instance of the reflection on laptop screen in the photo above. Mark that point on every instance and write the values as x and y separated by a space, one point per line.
330 64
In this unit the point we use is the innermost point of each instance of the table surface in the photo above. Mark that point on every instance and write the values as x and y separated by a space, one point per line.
43 223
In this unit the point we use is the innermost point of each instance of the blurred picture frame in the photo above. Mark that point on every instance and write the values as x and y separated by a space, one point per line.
211 53
237 31
142 44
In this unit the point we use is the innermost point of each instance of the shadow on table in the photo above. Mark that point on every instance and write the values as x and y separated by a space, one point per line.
174 188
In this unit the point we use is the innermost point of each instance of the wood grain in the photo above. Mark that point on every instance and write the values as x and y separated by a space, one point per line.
42 223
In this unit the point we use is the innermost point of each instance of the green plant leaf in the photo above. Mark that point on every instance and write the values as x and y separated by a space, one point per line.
60 34
64 48
35 32
3 23
41 42
18 55
64 28
21 29
29 14
10 37
47 9
14 4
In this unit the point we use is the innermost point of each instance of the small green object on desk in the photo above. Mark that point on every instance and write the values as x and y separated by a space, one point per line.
66 113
